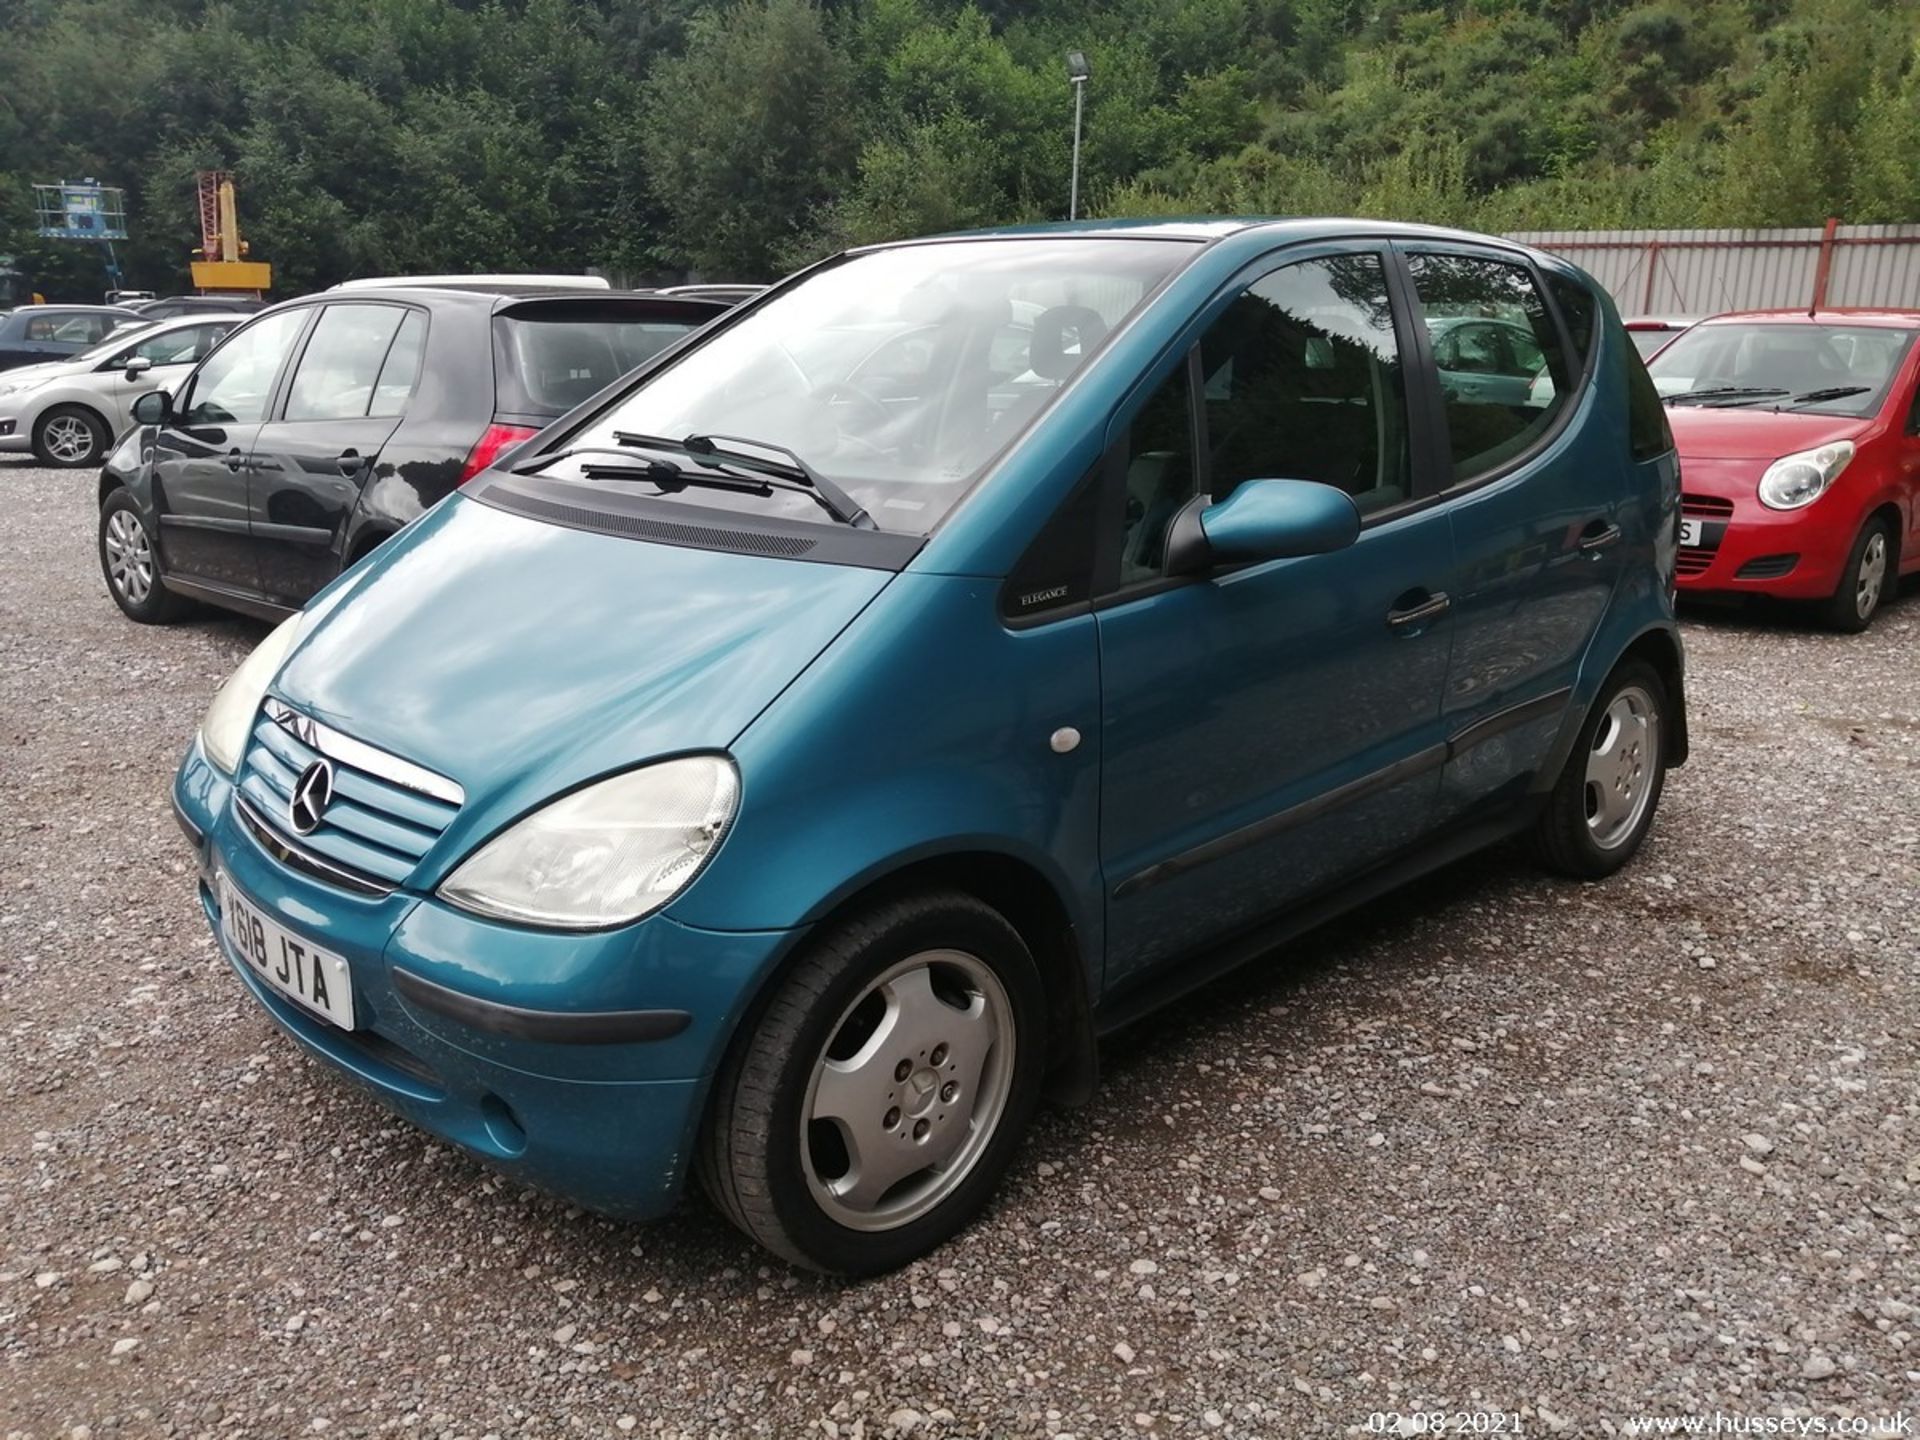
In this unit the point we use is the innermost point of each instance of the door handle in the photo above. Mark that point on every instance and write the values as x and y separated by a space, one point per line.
236 461
1411 609
351 462
1592 538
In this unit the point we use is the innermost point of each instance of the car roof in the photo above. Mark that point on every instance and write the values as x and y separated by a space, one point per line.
494 301
491 284
77 309
1205 228
1890 319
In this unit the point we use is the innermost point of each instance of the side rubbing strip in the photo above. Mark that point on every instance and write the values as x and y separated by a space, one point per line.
1219 848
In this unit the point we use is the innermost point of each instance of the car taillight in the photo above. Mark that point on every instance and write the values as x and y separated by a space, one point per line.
488 447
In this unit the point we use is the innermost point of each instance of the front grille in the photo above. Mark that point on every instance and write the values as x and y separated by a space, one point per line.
1705 507
1767 567
1693 560
376 828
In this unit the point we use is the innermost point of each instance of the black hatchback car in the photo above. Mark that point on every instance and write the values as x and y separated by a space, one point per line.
34 334
322 426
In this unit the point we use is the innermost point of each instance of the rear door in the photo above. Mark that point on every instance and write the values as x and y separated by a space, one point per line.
321 449
1535 498
200 456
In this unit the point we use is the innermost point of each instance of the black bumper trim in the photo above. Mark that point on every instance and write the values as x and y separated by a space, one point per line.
589 1027
192 831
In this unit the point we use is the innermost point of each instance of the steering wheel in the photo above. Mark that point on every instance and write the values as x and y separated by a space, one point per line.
828 395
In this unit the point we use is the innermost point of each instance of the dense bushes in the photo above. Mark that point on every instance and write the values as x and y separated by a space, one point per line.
655 137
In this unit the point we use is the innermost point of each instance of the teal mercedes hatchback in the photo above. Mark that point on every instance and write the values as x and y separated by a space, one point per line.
786 768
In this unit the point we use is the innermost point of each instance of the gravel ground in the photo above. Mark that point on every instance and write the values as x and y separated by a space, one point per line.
1503 1144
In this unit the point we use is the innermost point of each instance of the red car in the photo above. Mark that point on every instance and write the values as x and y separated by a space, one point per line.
1799 439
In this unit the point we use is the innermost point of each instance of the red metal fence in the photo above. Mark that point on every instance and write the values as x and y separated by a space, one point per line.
1702 272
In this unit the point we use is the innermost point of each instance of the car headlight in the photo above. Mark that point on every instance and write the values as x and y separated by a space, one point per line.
606 854
1796 480
229 719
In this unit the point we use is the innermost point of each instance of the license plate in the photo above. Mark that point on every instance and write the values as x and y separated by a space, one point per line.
311 977
1692 532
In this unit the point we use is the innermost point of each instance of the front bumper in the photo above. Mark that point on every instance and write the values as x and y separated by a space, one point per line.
575 1062
14 437
1752 549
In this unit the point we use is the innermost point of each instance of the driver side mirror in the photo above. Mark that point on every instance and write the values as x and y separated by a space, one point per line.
1263 520
153 408
137 365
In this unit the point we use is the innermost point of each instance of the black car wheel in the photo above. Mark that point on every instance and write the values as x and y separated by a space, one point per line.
1603 803
70 436
871 1108
1871 575
131 564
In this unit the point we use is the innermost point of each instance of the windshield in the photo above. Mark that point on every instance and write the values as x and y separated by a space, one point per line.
899 373
550 357
1772 364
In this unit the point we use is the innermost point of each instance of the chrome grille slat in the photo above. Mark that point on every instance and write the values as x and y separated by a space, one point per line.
379 823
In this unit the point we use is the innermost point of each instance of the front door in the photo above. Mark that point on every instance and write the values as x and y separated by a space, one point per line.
1270 729
312 459
202 453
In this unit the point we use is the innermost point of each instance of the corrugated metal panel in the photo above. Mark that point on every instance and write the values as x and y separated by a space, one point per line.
1701 272
1881 267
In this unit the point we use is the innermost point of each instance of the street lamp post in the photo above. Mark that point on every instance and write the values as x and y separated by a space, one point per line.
1077 72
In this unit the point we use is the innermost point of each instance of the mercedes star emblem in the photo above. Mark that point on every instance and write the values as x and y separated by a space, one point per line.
312 793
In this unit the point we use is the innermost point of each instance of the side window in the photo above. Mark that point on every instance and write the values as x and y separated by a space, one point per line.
1578 310
40 327
1493 416
176 347
401 369
1647 429
1303 382
341 365
233 387
1301 379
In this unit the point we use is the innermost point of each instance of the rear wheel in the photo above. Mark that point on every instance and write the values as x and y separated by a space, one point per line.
131 564
70 436
1870 575
1603 803
873 1108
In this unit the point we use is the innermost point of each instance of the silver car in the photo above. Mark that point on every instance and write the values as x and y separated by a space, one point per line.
67 412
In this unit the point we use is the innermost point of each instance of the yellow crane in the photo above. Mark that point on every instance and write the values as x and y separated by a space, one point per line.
222 267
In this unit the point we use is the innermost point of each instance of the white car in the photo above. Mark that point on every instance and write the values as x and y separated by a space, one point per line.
67 412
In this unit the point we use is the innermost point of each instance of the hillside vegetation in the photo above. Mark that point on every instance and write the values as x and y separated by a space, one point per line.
660 137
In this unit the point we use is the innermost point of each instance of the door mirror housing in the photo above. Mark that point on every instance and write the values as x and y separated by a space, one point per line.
1263 520
137 365
153 408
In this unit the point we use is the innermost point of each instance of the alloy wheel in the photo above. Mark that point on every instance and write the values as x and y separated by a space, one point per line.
1871 577
1621 767
129 557
908 1091
68 438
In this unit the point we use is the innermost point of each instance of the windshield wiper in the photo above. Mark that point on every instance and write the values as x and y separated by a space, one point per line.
1736 394
779 461
1832 392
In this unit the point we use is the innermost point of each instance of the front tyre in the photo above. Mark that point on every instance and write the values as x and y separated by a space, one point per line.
1872 571
1603 803
873 1107
131 564
70 436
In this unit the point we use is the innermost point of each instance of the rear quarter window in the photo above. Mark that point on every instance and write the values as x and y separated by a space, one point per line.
550 357
1647 428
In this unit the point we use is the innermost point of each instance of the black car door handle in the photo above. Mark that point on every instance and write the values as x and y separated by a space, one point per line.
1416 606
351 462
1598 536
